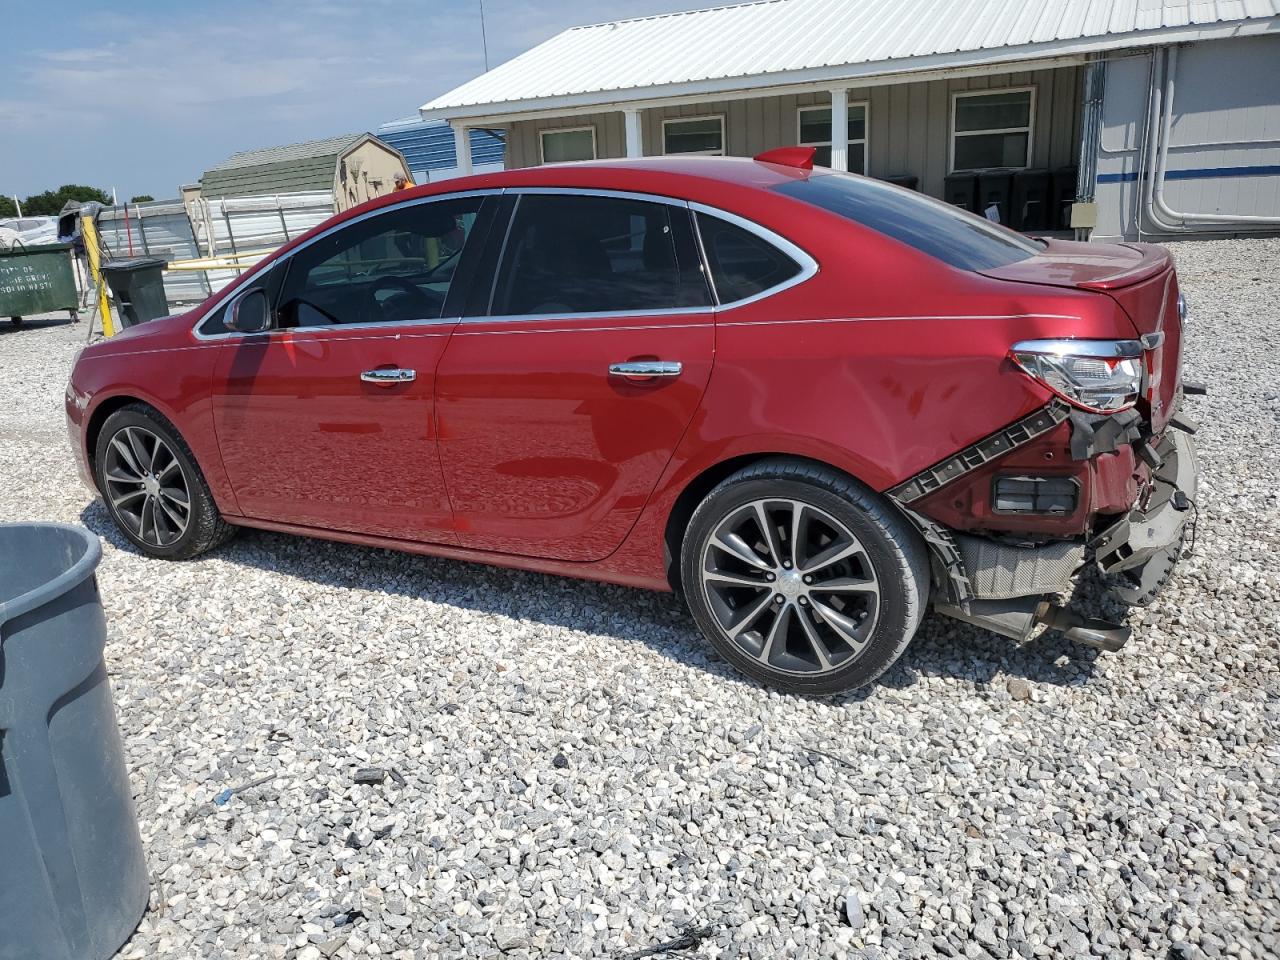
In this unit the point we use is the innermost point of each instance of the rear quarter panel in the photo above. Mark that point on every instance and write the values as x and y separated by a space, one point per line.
882 364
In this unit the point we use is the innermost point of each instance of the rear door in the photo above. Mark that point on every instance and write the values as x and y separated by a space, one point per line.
562 400
326 420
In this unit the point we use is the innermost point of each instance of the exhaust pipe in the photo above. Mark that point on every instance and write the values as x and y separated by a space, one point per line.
1092 632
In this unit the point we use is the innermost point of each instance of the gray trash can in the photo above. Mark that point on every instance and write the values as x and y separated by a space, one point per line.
73 882
138 288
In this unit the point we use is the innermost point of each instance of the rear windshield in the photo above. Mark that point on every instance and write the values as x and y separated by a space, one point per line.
953 236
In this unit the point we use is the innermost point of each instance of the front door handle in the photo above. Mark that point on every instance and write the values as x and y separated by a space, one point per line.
386 377
646 368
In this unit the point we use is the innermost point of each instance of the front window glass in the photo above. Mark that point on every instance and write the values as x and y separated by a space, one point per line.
942 231
703 135
815 131
992 130
586 254
396 266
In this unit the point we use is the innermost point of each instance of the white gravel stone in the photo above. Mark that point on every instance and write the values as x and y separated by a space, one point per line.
577 775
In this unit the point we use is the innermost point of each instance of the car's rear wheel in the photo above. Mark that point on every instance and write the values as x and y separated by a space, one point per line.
153 488
802 578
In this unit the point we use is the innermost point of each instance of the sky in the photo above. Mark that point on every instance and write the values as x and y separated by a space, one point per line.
144 96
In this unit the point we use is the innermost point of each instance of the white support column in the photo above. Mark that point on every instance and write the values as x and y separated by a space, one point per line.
635 137
840 129
462 146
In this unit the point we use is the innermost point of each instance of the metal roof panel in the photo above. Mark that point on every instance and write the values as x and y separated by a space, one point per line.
758 39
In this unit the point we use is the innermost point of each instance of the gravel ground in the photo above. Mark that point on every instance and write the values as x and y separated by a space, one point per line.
570 772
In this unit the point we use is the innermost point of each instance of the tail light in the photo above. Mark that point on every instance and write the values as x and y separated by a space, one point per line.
1101 376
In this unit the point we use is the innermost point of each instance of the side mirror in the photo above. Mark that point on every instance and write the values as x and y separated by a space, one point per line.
250 313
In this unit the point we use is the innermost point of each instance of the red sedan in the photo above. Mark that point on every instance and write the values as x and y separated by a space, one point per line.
813 403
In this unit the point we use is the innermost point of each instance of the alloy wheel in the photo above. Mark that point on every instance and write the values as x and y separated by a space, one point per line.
791 586
145 486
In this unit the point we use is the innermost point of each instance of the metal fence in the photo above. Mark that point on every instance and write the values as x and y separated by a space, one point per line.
234 232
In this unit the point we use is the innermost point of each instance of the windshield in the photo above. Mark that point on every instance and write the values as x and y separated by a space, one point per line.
954 236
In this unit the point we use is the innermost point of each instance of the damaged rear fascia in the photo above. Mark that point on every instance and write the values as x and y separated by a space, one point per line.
1091 435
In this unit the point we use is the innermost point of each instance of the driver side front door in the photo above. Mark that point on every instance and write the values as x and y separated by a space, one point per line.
326 420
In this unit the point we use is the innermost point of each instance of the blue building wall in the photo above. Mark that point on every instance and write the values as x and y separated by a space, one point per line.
427 145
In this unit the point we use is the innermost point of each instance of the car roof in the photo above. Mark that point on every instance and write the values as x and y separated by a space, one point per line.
728 181
676 173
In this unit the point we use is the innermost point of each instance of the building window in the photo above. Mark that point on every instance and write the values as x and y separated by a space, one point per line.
815 131
704 135
992 129
573 143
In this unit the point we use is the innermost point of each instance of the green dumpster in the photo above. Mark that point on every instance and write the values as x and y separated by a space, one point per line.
37 280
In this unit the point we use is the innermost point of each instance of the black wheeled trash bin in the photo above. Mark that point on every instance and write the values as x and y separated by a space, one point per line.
1031 200
995 189
961 190
73 882
138 288
1063 190
903 180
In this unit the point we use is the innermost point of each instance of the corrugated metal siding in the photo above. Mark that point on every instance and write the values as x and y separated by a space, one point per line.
428 144
1224 152
241 224
909 124
163 228
785 36
158 229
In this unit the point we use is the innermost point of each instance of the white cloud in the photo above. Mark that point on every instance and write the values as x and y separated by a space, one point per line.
165 98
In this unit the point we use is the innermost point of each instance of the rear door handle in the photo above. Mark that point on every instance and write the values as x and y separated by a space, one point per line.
646 368
386 377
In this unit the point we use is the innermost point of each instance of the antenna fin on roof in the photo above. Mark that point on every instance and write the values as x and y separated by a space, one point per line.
801 157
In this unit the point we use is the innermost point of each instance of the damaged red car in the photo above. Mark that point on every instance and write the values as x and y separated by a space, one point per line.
815 404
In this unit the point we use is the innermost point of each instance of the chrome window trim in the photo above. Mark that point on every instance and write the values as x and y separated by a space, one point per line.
808 265
598 192
269 265
597 315
333 327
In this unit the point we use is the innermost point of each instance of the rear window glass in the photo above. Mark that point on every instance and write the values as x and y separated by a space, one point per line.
944 232
742 264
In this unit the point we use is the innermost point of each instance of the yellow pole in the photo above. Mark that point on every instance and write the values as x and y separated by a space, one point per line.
89 233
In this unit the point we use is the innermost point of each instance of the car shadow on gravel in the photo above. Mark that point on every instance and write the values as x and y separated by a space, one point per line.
942 648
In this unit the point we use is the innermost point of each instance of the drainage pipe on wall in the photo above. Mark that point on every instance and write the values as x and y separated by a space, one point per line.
1161 118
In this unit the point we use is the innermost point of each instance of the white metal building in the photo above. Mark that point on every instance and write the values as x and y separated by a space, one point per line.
1163 114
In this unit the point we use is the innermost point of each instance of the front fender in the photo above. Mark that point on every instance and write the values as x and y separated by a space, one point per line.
175 381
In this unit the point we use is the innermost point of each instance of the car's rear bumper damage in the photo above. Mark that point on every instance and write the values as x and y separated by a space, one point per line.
1013 588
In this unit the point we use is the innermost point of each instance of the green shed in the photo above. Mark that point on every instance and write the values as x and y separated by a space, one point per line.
355 167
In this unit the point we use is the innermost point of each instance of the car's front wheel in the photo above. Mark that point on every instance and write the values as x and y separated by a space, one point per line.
153 488
803 578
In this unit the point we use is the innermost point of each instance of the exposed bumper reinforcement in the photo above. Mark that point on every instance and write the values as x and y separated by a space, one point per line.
1143 548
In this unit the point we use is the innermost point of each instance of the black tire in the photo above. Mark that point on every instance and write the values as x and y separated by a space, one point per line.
893 549
205 528
15 321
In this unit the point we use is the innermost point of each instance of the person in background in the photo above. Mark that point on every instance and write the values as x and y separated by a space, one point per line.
403 182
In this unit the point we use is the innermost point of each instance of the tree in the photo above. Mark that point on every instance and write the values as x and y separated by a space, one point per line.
7 209
142 198
51 202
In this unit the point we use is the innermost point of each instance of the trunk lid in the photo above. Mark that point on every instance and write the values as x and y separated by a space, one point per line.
1140 278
